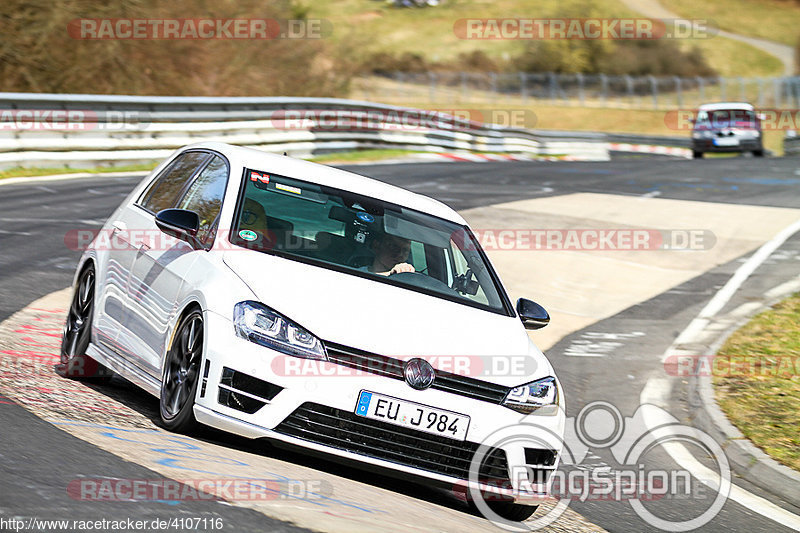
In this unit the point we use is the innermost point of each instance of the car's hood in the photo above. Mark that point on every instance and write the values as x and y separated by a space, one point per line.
388 320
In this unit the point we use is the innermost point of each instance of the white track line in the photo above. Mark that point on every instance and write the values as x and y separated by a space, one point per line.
657 389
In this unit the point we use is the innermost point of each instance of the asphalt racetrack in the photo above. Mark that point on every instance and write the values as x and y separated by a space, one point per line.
614 314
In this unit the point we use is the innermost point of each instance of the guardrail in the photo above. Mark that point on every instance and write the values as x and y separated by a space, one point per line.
791 143
88 130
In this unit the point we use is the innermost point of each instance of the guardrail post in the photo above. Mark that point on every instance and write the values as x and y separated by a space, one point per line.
654 90
432 86
463 78
493 82
701 89
722 88
603 88
760 92
523 88
678 91
742 96
552 80
776 92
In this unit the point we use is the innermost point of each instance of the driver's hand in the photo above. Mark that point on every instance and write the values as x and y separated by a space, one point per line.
401 267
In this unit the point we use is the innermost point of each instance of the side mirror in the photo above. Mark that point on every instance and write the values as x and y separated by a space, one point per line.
180 223
533 315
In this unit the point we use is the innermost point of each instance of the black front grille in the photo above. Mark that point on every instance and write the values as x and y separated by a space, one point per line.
346 431
393 368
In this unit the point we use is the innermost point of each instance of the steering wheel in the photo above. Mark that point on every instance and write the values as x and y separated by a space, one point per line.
422 280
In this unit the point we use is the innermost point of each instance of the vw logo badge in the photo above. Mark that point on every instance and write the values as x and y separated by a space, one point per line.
419 374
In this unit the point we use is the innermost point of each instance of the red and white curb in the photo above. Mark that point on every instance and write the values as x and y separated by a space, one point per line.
650 149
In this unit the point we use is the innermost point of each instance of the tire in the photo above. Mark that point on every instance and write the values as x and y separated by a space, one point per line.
758 153
697 155
77 334
516 512
181 375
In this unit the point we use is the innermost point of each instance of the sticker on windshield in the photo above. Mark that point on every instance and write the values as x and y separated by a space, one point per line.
261 178
288 188
365 217
248 235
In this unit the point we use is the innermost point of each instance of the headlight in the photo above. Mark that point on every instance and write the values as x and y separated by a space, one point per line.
532 396
258 323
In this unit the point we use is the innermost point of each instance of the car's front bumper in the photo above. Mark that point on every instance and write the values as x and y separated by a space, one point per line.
313 405
743 145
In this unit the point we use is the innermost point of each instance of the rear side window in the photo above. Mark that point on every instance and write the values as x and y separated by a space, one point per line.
164 191
204 197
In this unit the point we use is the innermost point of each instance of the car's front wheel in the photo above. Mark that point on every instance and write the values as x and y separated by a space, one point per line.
697 155
77 333
181 374
758 153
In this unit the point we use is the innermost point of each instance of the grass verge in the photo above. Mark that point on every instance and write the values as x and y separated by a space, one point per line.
429 32
361 156
761 396
768 19
17 172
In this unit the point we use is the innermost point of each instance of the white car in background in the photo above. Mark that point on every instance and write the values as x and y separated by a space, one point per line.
727 127
238 287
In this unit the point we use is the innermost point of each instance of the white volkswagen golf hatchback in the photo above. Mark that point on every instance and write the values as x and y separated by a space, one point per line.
276 298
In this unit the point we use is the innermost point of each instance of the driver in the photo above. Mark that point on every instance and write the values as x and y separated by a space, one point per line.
391 254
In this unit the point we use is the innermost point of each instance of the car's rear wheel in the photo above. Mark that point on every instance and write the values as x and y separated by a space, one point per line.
758 153
697 155
77 333
181 374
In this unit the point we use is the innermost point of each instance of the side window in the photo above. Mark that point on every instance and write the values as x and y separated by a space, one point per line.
204 197
163 193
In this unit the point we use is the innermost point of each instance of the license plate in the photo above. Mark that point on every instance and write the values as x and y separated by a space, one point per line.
726 141
412 415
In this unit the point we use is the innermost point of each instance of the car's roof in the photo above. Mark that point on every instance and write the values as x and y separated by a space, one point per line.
727 105
329 176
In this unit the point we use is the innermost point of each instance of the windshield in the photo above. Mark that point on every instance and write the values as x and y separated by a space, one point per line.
365 237
727 118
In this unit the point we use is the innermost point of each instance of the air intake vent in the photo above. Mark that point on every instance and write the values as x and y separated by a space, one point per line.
243 392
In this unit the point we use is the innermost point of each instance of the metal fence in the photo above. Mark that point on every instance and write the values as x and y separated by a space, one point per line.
589 90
